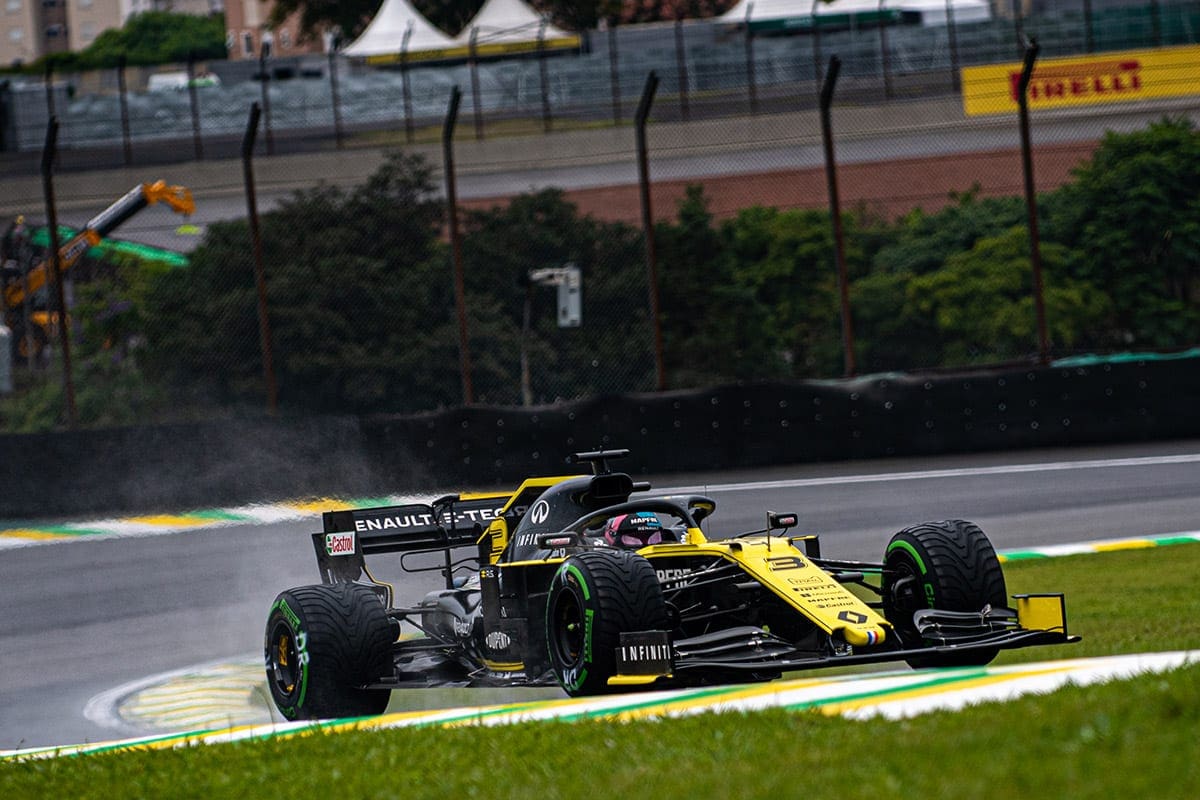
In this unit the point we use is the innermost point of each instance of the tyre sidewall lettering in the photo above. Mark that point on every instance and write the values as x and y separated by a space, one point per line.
300 638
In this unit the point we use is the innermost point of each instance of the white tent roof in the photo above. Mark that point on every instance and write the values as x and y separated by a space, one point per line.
507 21
764 10
385 34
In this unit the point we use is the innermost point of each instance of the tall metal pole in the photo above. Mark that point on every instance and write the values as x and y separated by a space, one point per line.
681 70
460 292
835 211
818 62
885 57
1089 35
1035 248
614 72
260 280
751 78
476 101
264 52
643 112
49 153
547 122
123 94
194 100
405 85
334 41
952 35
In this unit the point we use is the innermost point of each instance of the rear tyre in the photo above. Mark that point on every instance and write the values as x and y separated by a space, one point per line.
949 565
594 597
322 644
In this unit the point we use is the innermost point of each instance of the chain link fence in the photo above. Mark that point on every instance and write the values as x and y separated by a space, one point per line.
360 282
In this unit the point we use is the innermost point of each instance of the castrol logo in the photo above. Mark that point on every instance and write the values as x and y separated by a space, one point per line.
339 544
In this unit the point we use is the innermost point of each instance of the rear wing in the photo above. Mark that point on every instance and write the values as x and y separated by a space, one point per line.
446 524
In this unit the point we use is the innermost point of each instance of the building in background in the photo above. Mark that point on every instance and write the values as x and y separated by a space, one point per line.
245 27
30 29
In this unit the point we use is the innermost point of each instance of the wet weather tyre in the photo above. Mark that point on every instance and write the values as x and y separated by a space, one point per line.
593 598
949 565
322 644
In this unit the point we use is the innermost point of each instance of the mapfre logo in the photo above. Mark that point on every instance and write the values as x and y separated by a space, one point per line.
339 544
540 512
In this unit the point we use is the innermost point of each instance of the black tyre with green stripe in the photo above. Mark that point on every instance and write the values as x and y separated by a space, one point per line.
949 565
594 597
323 643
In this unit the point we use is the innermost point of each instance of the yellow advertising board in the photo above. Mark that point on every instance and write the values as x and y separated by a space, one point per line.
1084 80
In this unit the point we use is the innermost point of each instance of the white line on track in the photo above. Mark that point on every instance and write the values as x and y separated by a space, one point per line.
963 472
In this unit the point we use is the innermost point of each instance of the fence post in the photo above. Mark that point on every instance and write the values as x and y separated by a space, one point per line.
952 35
885 57
264 52
818 66
194 100
835 211
1089 35
123 95
476 102
681 69
49 154
334 42
614 72
260 280
643 112
460 292
1035 247
751 79
49 85
405 86
547 122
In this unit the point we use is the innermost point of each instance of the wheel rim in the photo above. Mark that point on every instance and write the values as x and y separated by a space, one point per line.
284 661
568 626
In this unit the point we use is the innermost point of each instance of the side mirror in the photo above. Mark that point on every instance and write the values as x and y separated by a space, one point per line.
781 520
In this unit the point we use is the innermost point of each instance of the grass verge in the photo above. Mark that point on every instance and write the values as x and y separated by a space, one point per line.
1130 738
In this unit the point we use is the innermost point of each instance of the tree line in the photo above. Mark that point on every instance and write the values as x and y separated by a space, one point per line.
363 317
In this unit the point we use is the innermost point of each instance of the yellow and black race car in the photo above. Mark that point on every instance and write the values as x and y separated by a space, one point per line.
590 583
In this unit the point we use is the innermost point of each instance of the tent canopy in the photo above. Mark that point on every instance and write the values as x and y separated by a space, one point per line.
385 34
775 14
503 21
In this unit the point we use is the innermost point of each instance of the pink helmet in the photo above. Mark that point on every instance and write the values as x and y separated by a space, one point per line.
634 530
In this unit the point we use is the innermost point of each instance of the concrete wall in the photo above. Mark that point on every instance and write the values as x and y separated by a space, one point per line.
218 463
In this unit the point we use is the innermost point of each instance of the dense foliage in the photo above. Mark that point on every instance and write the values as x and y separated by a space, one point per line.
362 310
151 37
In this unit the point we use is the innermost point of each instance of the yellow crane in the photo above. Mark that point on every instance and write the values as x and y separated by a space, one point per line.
18 289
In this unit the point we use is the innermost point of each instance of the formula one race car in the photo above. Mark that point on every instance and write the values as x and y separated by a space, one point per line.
589 583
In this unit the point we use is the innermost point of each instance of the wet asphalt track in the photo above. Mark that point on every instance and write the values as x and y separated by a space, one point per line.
83 617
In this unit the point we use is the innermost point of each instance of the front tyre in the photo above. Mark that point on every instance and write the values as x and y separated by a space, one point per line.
323 643
594 597
949 565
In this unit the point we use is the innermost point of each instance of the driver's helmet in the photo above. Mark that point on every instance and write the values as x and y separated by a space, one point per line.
634 530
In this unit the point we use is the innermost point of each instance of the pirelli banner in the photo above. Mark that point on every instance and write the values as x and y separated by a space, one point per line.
1116 77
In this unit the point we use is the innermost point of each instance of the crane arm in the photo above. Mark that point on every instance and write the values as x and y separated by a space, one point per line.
144 194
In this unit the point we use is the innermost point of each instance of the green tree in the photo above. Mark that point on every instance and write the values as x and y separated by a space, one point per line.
611 352
151 37
982 307
1131 219
359 295
715 328
787 260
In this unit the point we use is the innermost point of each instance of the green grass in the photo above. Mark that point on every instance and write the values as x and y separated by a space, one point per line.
1126 739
